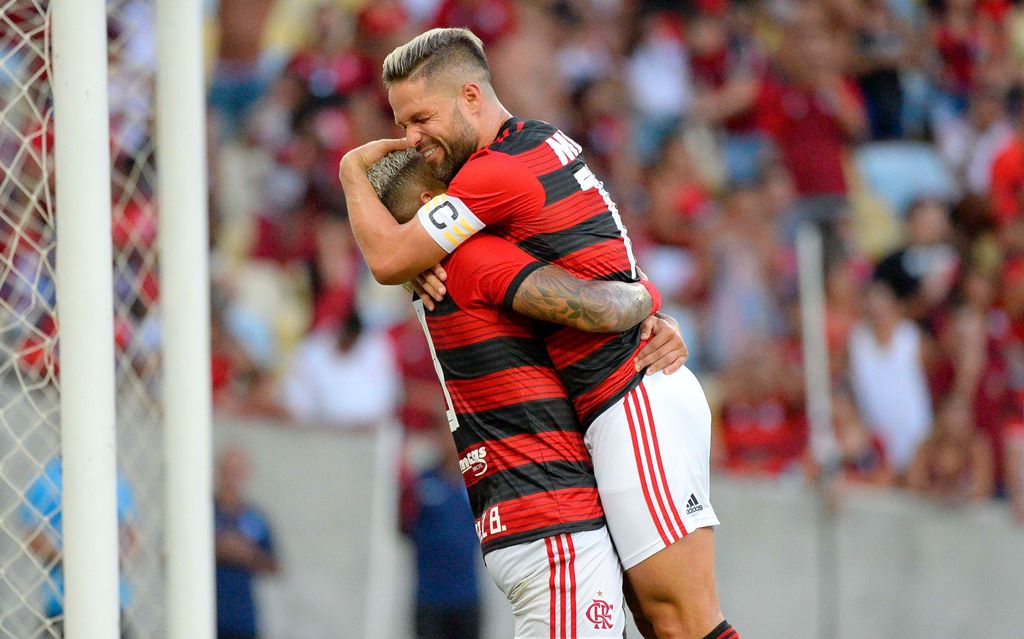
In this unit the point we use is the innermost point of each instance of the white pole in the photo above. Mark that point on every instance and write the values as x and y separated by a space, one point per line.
85 313
817 378
181 145
818 384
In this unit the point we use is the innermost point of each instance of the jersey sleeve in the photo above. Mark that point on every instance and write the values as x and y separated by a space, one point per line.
496 268
488 191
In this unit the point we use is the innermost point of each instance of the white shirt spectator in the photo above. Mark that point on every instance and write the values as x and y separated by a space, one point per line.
349 389
890 387
659 77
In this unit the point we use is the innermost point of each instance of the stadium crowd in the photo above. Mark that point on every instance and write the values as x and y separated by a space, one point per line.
895 127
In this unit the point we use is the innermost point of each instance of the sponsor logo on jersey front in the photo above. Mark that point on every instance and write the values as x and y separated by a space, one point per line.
475 461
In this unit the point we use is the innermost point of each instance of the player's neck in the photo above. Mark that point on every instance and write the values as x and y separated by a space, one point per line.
490 124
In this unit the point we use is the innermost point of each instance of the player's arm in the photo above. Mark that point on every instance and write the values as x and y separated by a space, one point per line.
395 253
552 294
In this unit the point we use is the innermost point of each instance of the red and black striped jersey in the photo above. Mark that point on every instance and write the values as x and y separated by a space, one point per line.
532 187
520 446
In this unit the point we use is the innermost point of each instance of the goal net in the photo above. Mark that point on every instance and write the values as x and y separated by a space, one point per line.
31 581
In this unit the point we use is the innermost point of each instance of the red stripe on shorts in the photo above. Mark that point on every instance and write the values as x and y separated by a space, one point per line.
561 589
640 469
551 588
661 466
653 475
572 586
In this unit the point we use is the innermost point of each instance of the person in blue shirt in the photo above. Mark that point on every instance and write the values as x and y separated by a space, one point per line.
41 517
440 526
244 547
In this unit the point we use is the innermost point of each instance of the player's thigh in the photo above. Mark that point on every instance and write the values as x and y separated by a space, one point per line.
680 579
651 455
569 583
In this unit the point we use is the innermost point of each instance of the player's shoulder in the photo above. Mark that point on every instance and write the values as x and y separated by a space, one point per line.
520 136
479 247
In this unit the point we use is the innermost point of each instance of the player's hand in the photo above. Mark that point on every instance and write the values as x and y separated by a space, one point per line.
429 286
666 351
363 157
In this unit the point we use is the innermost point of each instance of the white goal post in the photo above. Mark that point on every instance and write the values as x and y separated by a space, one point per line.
106 513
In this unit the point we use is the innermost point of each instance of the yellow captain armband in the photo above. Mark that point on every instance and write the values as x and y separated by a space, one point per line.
449 221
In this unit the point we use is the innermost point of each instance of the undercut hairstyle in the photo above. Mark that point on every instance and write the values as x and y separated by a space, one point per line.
436 51
398 178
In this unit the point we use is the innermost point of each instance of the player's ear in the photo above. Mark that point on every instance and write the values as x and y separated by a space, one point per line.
472 95
426 196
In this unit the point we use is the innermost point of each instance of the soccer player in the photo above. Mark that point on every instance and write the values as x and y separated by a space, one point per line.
521 449
527 182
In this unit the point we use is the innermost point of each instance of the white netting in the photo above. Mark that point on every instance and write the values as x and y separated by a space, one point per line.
29 398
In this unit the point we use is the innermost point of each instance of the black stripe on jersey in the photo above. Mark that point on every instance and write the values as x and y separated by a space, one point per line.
446 306
533 134
536 416
561 183
517 281
529 479
490 356
588 372
551 247
540 533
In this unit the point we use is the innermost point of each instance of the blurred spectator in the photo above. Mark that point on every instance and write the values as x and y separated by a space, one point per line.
922 273
42 518
490 20
745 256
883 47
762 427
330 67
813 112
440 526
1008 174
344 377
955 464
970 145
888 377
237 79
244 548
861 453
659 81
421 392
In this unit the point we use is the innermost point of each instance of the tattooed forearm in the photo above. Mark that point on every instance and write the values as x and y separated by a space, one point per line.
554 295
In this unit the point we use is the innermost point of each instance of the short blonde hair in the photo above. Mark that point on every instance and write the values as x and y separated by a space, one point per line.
395 175
437 50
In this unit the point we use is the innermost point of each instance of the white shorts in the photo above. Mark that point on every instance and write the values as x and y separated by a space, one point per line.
562 587
651 455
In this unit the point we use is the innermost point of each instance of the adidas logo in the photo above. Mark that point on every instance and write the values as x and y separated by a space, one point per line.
693 505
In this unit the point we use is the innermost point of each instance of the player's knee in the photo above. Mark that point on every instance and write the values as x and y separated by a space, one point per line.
672 615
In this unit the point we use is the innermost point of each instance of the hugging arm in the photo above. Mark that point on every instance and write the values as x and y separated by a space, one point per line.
552 294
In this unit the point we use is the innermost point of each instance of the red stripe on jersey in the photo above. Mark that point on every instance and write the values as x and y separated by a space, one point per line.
597 260
586 403
503 388
657 456
548 508
462 329
567 346
528 448
640 469
540 159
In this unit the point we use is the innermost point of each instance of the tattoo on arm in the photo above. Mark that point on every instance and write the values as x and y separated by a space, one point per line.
554 295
